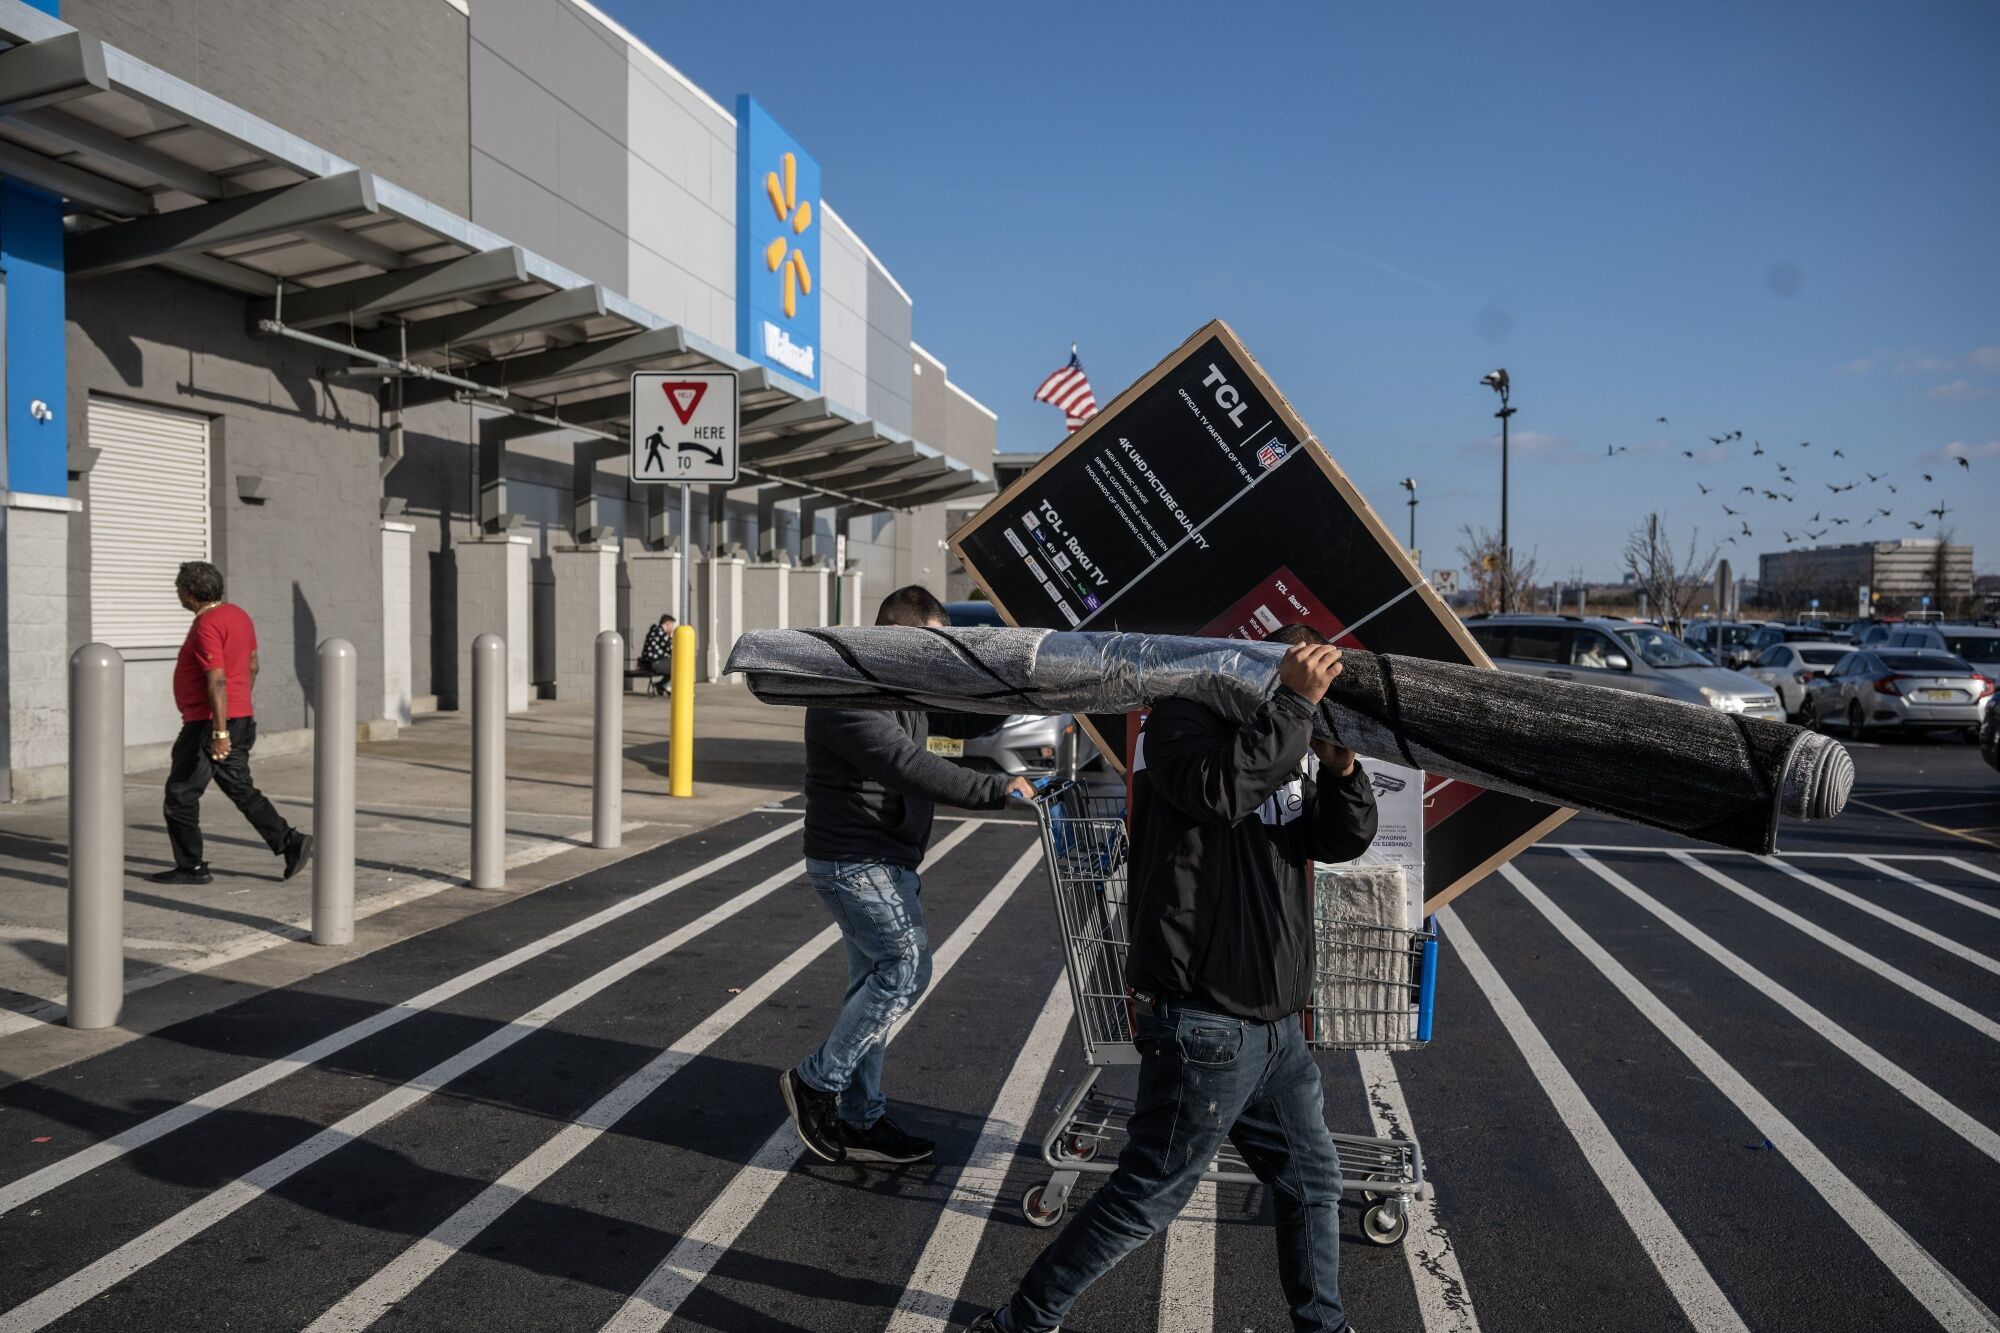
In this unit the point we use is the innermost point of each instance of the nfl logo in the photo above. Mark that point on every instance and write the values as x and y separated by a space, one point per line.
1271 455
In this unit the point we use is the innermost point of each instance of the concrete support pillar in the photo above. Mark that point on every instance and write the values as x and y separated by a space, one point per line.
768 499
655 579
767 595
396 663
809 602
661 501
493 436
493 599
719 604
810 509
851 610
586 605
34 671
586 527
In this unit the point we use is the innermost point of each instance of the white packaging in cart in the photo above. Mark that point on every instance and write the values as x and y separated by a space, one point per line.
1399 831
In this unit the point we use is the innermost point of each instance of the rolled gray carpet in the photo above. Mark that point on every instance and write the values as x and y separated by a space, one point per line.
1721 777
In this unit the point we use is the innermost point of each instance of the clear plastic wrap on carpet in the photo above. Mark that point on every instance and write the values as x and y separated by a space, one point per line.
1720 777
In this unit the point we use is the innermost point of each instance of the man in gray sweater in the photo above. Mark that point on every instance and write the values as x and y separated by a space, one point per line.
870 788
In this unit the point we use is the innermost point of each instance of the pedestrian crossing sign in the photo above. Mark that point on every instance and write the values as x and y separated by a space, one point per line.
684 426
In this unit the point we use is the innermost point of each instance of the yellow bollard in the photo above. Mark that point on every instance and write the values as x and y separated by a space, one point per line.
680 743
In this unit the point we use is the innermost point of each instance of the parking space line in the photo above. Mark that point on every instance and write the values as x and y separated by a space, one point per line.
1187 1276
1856 901
1924 823
1443 1300
162 1239
939 1277
402 1275
291 932
1686 1277
1962 899
1901 1080
721 1224
1929 994
1964 865
1947 1299
1727 851
38 1183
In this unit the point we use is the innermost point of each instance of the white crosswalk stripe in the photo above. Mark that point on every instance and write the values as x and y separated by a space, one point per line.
939 1276
1187 1270
1855 900
38 1183
1444 1302
1693 1287
396 1280
712 1234
1949 895
129 1258
1895 976
1933 1285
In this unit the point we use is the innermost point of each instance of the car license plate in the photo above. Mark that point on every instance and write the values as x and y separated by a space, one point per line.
1941 696
951 747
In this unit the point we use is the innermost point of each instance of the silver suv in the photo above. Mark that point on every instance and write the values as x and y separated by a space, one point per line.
1621 655
1977 644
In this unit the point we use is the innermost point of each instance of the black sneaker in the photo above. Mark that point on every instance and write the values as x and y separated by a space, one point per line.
884 1141
989 1322
815 1115
178 875
297 852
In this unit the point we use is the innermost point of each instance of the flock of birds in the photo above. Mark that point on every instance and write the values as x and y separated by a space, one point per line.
1784 488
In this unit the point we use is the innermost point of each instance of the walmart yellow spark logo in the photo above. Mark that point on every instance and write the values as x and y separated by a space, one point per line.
798 214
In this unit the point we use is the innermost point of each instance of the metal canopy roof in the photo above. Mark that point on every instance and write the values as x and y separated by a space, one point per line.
154 171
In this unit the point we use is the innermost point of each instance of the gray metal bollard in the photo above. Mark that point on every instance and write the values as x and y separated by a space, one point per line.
96 836
608 742
333 794
489 762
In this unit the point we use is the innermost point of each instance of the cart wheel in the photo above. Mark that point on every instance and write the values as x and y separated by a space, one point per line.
1031 1208
1386 1223
1076 1148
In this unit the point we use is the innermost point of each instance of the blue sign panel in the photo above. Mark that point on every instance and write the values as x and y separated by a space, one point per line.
777 246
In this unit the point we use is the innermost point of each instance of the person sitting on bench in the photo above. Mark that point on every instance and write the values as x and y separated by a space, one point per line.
656 654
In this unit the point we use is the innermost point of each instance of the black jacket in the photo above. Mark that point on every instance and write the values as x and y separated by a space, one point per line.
1222 849
871 784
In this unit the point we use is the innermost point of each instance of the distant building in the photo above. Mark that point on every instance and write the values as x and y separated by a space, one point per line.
1897 574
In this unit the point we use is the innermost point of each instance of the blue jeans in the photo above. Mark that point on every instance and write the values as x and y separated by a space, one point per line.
1203 1077
888 966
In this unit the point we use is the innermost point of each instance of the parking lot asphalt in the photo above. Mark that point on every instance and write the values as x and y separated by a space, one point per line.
1669 1087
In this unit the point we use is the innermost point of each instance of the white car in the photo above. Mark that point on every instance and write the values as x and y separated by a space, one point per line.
1908 689
1789 668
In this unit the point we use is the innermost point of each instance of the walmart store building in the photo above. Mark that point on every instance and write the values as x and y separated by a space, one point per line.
346 298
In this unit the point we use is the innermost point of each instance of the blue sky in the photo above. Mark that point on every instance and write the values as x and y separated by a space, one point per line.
1777 218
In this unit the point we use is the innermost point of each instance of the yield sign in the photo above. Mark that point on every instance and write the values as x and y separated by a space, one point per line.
684 396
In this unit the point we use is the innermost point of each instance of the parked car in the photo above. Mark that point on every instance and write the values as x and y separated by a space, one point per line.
1029 745
1789 667
1724 642
1977 644
1907 689
1770 636
1989 735
1622 656
1875 632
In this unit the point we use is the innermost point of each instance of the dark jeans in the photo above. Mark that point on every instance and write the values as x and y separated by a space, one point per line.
1204 1077
189 778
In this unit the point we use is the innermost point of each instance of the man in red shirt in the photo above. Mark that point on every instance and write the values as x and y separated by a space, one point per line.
212 683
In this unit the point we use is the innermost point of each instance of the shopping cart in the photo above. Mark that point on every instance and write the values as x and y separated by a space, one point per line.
1373 988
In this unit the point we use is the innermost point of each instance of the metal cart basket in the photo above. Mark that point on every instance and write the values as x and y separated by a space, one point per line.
1373 987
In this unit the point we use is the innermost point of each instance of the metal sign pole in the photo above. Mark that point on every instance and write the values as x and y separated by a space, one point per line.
687 575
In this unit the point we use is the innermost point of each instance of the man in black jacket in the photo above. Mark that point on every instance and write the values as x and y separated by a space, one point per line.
870 785
1226 822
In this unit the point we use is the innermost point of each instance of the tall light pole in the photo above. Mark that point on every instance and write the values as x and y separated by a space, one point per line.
1498 382
1410 484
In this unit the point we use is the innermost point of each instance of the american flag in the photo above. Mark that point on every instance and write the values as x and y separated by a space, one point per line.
1069 389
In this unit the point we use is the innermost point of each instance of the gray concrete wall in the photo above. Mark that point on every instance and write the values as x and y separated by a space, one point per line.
306 562
380 82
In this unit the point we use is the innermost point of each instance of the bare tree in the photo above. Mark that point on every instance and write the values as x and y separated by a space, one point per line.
1673 579
1492 574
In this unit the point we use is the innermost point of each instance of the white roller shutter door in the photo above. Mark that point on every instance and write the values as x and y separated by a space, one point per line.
149 511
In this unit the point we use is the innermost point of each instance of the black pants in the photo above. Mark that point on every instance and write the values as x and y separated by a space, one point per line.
189 778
